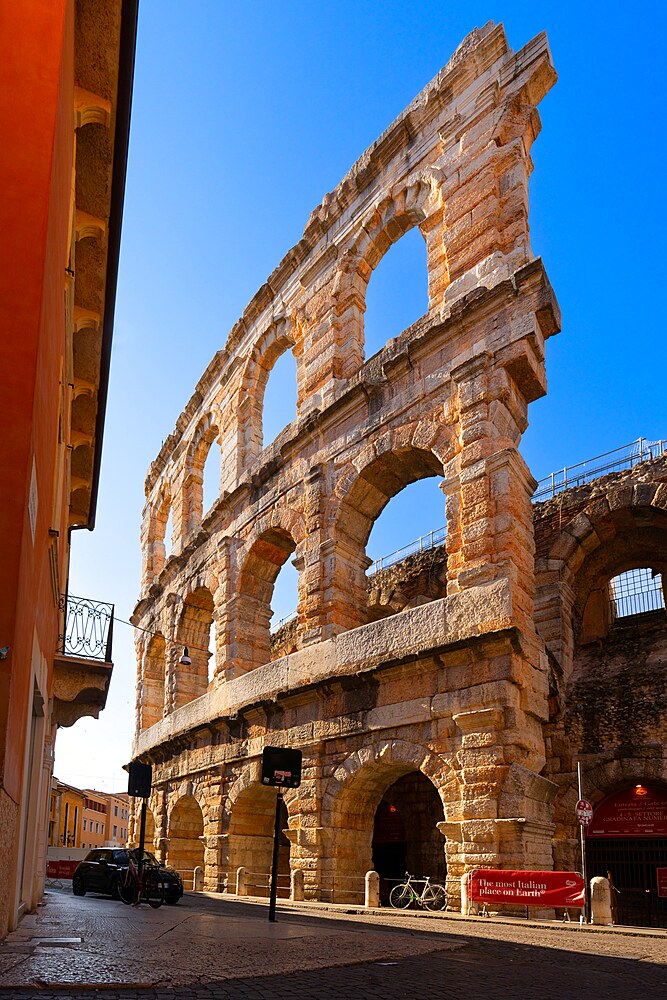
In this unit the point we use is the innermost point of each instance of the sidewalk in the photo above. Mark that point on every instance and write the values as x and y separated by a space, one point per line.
311 906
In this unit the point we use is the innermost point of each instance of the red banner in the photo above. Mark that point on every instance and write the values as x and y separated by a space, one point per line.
491 885
633 812
61 869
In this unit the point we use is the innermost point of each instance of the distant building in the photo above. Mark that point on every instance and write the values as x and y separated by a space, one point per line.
117 819
65 91
95 819
67 811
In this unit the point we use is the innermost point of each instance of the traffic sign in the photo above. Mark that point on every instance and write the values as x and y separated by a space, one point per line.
584 811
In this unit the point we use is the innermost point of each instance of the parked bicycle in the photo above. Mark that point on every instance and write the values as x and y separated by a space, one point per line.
433 896
147 887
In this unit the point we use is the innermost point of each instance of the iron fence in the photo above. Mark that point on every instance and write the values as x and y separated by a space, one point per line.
625 457
636 592
88 628
423 544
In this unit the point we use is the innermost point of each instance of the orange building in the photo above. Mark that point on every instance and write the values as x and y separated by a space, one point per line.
118 810
65 92
95 819
66 815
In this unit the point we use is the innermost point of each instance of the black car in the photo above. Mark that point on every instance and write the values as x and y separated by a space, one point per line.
101 869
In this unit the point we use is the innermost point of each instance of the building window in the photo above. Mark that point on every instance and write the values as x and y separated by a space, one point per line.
97 828
115 810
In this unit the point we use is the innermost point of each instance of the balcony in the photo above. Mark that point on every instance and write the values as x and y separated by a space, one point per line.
82 663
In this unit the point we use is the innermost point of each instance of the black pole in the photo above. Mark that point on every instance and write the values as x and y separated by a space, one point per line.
142 838
274 863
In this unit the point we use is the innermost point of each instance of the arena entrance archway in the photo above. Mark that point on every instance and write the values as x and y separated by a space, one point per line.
627 839
405 835
186 846
251 829
367 833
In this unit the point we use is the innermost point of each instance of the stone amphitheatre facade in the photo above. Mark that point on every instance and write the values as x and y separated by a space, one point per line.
431 705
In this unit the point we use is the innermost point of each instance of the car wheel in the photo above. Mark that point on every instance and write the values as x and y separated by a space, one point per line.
78 888
171 901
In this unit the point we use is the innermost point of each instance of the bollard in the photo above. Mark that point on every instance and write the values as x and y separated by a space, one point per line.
296 886
198 879
241 888
372 895
464 894
601 901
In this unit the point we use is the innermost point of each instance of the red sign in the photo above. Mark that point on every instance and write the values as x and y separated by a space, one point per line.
634 812
491 885
584 811
61 869
661 877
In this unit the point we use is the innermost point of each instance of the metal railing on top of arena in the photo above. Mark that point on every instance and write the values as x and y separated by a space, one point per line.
625 457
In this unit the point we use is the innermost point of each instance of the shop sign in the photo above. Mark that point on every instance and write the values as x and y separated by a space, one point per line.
640 811
491 885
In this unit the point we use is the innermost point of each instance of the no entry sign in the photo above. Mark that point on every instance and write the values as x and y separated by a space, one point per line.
584 811
491 885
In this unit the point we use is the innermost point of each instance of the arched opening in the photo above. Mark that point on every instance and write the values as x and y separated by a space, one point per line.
284 601
407 549
385 818
280 396
251 829
636 592
397 292
153 679
252 612
211 473
186 847
150 830
368 496
405 835
627 840
194 631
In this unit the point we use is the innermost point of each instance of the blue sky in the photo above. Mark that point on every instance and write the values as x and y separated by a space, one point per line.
244 116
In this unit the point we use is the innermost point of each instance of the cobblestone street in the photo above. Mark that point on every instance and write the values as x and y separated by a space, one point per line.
218 948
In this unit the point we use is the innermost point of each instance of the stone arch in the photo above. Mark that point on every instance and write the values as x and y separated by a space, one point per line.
154 545
271 544
206 435
268 347
185 834
619 530
193 631
153 674
412 203
352 796
250 832
361 494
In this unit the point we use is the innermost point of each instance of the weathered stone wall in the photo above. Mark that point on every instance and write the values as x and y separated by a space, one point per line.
441 672
608 705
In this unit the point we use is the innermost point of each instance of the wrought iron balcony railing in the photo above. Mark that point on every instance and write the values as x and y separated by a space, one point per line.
88 628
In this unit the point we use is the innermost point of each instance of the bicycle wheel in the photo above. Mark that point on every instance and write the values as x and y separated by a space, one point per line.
400 896
434 897
126 887
153 888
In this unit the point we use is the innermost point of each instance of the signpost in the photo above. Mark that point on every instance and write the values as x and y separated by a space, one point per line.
584 813
139 784
281 768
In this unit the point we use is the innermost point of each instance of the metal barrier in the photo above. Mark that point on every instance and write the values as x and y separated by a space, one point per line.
625 457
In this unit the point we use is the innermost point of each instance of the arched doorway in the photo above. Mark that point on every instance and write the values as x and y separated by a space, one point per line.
186 847
405 835
251 830
627 839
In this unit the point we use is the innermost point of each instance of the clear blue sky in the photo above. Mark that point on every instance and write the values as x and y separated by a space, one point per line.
244 116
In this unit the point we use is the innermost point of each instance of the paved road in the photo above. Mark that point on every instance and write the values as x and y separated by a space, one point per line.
205 949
